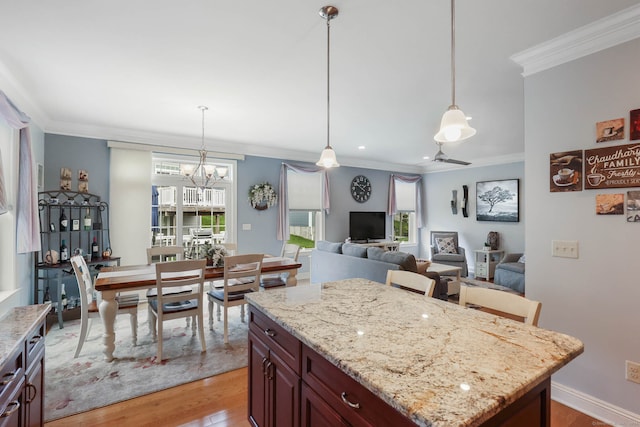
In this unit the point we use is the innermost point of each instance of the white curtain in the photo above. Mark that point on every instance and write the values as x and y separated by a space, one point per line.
392 208
130 204
28 225
283 205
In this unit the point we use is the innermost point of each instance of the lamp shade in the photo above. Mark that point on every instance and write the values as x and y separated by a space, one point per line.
328 158
454 126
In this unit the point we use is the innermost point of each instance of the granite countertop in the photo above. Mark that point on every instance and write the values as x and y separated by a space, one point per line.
16 325
434 361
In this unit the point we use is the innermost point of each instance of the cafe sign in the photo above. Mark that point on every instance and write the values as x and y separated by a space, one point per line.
612 167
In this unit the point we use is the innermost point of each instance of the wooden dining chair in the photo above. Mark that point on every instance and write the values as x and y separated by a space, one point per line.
289 250
411 281
241 276
502 302
89 307
164 254
168 305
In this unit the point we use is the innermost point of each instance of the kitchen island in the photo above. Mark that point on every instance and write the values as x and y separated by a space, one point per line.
356 352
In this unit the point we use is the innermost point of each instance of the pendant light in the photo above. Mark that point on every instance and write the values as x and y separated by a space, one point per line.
454 126
328 156
203 174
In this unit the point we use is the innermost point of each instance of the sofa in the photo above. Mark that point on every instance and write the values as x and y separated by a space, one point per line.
336 261
510 272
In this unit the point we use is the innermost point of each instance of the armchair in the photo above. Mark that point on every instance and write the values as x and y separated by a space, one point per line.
510 272
445 250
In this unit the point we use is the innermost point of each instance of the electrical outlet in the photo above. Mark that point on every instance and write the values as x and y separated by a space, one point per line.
632 371
564 248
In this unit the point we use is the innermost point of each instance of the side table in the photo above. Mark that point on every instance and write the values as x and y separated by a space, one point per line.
486 261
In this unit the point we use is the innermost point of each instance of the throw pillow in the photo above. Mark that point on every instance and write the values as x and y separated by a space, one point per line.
323 245
355 250
446 245
521 259
375 253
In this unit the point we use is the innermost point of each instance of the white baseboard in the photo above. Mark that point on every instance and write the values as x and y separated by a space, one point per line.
592 406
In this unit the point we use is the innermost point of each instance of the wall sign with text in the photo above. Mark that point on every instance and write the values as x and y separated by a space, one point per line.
612 167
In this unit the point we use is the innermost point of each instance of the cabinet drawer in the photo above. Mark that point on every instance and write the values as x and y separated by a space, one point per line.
285 345
481 269
34 345
11 374
342 393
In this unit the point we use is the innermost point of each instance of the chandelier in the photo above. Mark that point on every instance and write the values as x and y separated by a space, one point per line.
328 156
202 175
454 125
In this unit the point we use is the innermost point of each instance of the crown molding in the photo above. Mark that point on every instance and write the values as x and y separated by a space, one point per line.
602 34
18 95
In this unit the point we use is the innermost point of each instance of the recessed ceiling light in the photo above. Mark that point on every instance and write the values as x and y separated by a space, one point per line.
361 147
425 158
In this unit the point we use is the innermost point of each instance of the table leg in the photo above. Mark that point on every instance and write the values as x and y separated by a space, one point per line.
108 309
291 278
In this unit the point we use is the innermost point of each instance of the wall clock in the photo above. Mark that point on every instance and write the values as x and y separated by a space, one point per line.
361 188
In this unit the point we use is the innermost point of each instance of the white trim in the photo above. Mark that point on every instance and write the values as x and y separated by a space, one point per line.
592 406
171 150
602 34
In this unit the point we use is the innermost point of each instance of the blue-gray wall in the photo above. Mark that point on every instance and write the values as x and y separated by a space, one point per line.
93 155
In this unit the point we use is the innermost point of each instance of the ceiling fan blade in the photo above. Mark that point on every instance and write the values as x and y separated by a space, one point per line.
457 162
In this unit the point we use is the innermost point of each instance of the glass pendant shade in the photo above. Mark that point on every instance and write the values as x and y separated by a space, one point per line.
454 126
328 158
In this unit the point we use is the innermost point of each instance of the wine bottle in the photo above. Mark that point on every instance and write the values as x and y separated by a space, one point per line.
95 249
87 220
47 295
63 297
64 253
64 222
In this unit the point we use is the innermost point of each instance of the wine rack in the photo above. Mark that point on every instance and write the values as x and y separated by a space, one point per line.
51 273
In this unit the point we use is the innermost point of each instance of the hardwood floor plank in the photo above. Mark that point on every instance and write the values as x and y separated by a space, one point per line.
221 401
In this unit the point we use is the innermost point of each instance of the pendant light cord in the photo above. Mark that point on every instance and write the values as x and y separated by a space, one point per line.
453 53
328 79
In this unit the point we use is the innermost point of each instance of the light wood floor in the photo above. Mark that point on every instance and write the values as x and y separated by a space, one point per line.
218 402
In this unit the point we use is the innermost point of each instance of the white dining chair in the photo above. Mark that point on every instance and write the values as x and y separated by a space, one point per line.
411 281
241 276
164 254
127 304
502 302
169 305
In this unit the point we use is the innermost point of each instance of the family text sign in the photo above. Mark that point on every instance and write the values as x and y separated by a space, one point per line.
612 167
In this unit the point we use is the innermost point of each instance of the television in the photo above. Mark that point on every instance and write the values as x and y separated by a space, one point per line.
365 226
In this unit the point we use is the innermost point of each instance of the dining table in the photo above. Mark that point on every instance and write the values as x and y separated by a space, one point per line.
114 279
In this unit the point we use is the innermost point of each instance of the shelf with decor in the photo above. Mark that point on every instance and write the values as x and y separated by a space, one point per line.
80 221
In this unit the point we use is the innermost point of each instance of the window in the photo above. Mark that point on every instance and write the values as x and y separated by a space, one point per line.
404 221
184 215
305 208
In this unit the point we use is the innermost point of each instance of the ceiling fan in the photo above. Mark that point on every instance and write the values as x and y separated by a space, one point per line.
443 158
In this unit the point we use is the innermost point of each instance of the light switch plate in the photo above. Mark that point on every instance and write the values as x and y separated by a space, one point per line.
564 248
246 227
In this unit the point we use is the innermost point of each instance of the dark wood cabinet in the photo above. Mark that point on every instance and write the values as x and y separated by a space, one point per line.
274 385
22 382
290 384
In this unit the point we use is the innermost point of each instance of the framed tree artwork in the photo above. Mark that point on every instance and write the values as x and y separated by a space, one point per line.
498 200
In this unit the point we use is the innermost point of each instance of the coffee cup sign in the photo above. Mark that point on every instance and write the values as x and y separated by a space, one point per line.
565 175
613 167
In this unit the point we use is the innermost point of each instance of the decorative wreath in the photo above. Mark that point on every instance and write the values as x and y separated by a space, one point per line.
262 196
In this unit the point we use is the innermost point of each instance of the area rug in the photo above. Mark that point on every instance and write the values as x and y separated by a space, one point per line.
78 385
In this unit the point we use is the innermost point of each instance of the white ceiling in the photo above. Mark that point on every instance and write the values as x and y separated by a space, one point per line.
136 71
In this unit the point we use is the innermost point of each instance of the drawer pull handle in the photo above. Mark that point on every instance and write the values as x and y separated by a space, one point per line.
351 404
8 378
9 412
270 369
32 392
35 339
264 370
270 333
